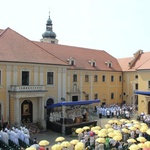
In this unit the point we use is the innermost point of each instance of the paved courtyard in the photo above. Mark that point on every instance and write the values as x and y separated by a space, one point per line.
51 136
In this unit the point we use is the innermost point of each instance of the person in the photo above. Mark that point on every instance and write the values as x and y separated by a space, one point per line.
35 141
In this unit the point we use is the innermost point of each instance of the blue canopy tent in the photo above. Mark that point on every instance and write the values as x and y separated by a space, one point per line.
73 103
142 92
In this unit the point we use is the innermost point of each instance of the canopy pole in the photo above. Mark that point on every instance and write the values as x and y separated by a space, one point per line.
63 121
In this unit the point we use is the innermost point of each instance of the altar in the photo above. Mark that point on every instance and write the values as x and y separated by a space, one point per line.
72 115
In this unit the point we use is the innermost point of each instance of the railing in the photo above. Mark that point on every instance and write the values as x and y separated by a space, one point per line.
18 88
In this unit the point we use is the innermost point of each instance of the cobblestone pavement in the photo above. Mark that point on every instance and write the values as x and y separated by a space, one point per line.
51 136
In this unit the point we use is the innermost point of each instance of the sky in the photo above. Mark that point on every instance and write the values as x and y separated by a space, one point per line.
120 27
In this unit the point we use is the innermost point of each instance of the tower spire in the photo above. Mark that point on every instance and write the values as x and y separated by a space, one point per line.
49 35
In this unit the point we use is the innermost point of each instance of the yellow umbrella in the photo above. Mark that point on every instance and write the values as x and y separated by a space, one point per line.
74 142
65 144
143 129
136 122
56 147
131 141
96 131
79 146
100 140
93 128
147 143
111 134
117 131
59 139
132 128
123 120
103 130
30 148
141 139
97 127
143 124
127 121
117 138
142 145
79 130
86 128
111 121
116 121
107 126
134 147
102 134
44 143
125 130
110 130
137 126
148 131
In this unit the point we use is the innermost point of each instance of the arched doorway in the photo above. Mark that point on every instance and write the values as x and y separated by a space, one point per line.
149 107
50 101
26 111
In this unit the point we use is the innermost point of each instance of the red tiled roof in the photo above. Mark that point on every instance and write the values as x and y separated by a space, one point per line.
142 62
16 48
82 56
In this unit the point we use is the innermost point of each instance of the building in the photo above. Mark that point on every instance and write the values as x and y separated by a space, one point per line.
36 74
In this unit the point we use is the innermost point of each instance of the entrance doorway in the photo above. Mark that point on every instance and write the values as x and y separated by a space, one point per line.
149 107
74 98
26 111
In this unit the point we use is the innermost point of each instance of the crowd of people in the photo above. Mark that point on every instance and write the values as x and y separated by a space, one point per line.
14 134
116 135
144 117
115 110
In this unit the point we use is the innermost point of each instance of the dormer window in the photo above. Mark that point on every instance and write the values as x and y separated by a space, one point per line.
108 63
93 63
71 61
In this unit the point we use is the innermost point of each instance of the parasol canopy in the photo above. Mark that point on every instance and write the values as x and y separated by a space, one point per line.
142 145
79 146
74 142
44 143
117 138
79 130
100 140
141 139
65 144
30 148
134 147
86 128
131 141
59 139
56 147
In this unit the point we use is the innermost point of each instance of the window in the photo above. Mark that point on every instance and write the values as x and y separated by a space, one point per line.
53 42
86 78
109 64
1 117
75 78
94 64
95 78
50 78
149 84
0 77
87 97
96 96
25 77
112 78
136 86
72 62
120 78
136 76
103 78
112 95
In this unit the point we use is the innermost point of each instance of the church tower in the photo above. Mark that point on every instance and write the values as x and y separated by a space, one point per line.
49 36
